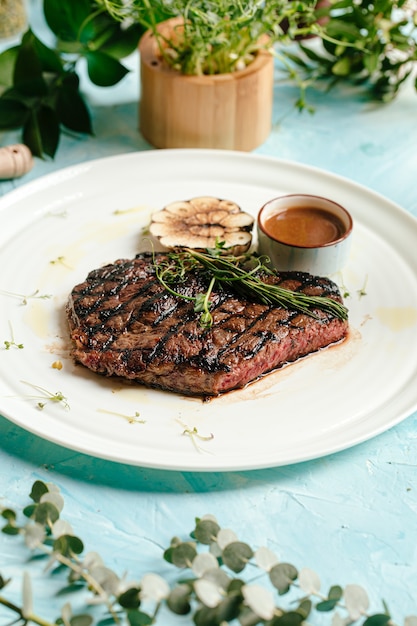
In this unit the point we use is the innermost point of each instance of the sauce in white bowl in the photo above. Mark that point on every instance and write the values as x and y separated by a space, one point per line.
306 233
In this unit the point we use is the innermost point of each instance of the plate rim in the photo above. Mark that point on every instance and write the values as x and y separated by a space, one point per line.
44 182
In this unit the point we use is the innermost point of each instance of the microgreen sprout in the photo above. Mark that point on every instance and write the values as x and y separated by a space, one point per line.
241 273
193 434
57 213
362 290
24 298
60 261
12 342
47 396
129 418
134 209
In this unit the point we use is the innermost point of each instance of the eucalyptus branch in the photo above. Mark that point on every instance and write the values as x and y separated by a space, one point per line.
215 590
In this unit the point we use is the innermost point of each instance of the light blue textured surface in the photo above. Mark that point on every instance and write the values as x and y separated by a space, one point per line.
349 516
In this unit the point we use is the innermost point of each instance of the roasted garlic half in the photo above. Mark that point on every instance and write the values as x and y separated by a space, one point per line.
202 222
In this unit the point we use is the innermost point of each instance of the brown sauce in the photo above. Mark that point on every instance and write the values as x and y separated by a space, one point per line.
304 226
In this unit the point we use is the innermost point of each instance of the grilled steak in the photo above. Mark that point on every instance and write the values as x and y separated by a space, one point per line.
124 323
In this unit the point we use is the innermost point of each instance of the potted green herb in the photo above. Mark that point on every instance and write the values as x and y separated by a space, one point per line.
207 72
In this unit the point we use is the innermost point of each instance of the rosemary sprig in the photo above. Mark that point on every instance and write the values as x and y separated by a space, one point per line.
243 275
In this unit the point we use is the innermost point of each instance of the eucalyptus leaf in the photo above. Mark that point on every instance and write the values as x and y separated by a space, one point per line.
206 531
138 618
265 558
326 605
260 600
81 620
179 599
130 599
236 555
10 529
291 618
68 545
204 562
229 608
35 535
183 555
282 577
309 581
46 513
54 498
9 515
39 488
61 527
153 587
205 616
380 619
208 593
219 577
225 536
356 601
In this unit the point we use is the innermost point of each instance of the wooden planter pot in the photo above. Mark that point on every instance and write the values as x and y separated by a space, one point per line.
227 111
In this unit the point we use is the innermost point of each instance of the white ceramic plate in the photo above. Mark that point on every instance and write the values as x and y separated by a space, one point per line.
58 228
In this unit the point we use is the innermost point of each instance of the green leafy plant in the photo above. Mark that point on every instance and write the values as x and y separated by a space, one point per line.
217 36
215 587
370 43
40 84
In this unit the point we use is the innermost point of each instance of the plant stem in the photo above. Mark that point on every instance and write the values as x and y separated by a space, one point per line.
31 618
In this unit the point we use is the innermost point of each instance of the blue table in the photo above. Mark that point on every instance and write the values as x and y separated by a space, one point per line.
350 516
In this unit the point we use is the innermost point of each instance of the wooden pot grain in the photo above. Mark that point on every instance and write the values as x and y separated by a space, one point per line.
224 111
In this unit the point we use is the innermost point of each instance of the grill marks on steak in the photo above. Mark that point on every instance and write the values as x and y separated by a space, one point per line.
124 323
